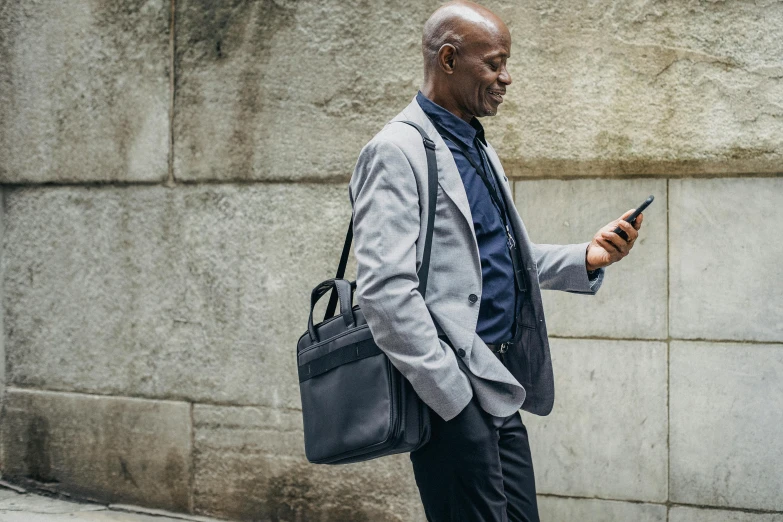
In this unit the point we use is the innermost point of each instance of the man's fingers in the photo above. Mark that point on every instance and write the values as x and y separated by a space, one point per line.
612 242
638 223
629 230
620 244
616 223
607 245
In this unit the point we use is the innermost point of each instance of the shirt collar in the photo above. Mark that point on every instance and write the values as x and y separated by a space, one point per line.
456 127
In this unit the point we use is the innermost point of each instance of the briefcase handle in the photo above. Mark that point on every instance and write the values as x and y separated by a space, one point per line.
424 268
344 290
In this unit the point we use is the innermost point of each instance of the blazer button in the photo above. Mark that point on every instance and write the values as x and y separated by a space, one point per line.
472 298
461 352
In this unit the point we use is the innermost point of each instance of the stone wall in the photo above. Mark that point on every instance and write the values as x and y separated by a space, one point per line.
175 183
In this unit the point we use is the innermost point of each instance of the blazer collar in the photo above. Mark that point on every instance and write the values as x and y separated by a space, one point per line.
448 174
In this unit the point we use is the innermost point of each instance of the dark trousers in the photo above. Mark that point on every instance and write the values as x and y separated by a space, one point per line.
476 468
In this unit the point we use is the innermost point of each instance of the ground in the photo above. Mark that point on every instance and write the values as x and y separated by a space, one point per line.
18 505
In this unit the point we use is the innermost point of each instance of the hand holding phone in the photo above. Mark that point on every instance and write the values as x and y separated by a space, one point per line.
632 218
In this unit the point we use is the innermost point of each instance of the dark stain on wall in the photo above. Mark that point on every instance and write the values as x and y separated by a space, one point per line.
292 496
238 38
126 474
97 84
175 480
37 456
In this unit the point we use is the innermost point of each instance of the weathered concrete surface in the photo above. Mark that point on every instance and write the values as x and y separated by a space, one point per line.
632 300
606 436
84 90
726 412
198 292
250 465
289 90
687 514
600 88
2 313
105 448
605 87
725 255
556 509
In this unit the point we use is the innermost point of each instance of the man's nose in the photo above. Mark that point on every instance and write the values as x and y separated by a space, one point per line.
505 76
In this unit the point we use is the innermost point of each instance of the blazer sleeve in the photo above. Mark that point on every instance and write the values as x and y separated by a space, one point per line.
386 225
562 267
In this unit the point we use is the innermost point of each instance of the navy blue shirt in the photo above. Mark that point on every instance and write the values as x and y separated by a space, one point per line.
499 295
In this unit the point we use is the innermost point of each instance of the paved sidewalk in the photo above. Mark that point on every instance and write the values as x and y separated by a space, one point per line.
28 507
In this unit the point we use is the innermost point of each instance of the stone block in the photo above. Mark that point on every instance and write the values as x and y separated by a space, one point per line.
84 91
725 252
289 90
104 448
649 88
250 465
2 320
726 404
631 302
293 90
606 436
559 509
690 514
197 293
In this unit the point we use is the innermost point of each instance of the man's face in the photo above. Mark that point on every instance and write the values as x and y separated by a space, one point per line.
480 76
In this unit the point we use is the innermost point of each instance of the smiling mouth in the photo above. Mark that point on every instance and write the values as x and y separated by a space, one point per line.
497 96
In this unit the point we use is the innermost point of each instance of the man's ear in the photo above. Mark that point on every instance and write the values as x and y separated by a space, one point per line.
446 56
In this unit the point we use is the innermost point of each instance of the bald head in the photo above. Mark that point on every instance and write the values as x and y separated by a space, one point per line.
459 24
465 49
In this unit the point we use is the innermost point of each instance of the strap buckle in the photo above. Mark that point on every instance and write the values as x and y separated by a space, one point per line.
429 143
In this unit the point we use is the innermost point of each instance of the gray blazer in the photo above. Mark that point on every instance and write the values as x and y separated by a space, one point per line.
388 193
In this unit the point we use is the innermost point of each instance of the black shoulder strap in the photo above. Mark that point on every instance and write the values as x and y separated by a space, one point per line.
423 272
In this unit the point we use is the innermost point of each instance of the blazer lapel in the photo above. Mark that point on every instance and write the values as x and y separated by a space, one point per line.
500 176
448 174
516 220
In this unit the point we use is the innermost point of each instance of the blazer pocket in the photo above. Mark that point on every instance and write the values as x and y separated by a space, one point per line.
528 314
521 363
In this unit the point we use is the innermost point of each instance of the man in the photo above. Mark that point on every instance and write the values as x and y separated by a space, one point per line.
477 350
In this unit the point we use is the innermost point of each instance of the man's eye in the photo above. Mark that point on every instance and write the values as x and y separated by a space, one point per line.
493 66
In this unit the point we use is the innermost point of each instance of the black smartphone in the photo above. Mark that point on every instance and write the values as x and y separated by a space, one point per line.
619 231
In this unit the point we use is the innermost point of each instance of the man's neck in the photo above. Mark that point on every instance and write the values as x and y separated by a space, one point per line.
445 100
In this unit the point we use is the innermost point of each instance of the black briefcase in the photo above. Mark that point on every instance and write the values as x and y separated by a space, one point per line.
355 404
